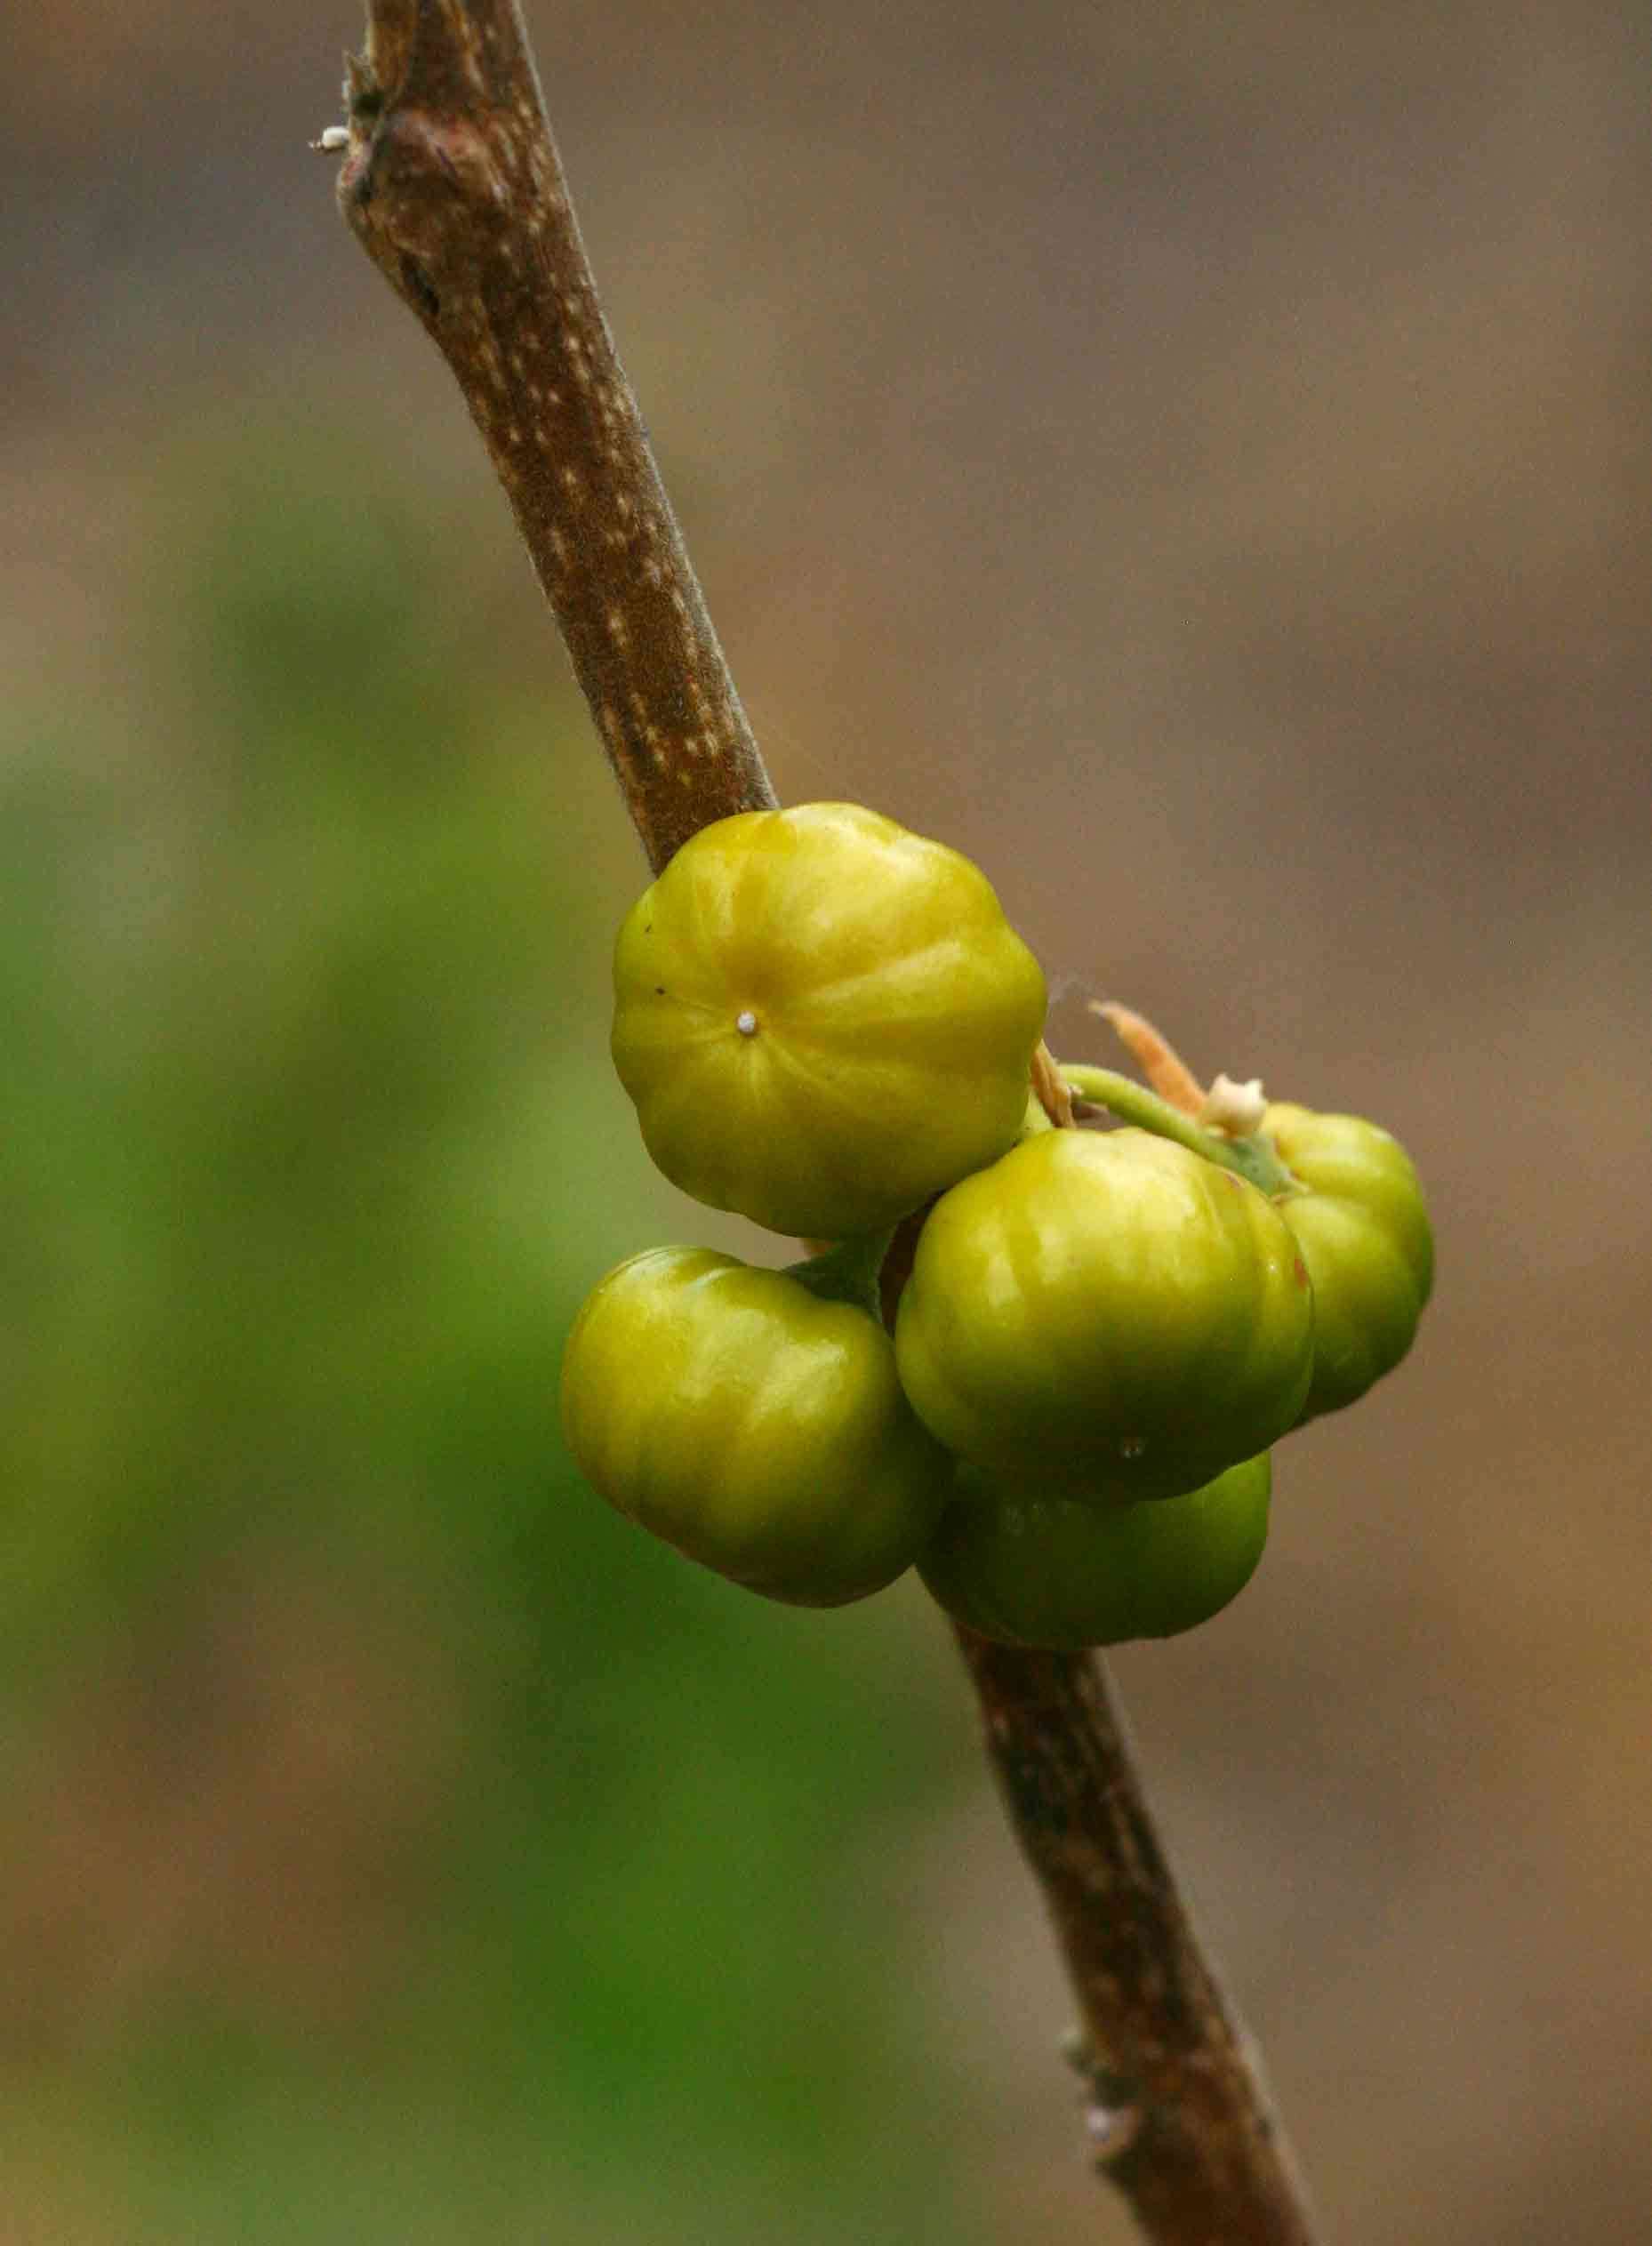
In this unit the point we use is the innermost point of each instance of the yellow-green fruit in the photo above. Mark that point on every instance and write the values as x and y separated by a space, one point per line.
757 1427
1109 1308
822 1019
1045 1571
1363 1230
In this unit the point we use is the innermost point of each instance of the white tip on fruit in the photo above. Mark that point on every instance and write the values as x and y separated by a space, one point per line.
1235 1108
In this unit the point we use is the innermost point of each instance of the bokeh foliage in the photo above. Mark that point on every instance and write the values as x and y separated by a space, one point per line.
401 1847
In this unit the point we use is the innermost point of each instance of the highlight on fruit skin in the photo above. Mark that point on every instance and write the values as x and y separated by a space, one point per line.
1050 1573
758 1427
822 1019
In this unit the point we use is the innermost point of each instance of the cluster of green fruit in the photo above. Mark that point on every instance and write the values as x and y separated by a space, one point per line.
825 1023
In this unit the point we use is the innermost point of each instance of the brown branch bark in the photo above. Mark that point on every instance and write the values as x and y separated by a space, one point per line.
453 185
1179 2109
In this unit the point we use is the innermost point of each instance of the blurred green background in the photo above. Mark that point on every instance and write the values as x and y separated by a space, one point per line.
1195 462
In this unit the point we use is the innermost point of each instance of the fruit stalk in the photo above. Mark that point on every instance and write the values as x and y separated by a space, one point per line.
452 183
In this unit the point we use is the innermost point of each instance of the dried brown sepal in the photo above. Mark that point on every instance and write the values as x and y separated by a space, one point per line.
1154 1054
1053 1092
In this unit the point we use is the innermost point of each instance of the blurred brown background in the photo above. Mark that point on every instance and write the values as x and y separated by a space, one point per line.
1196 461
